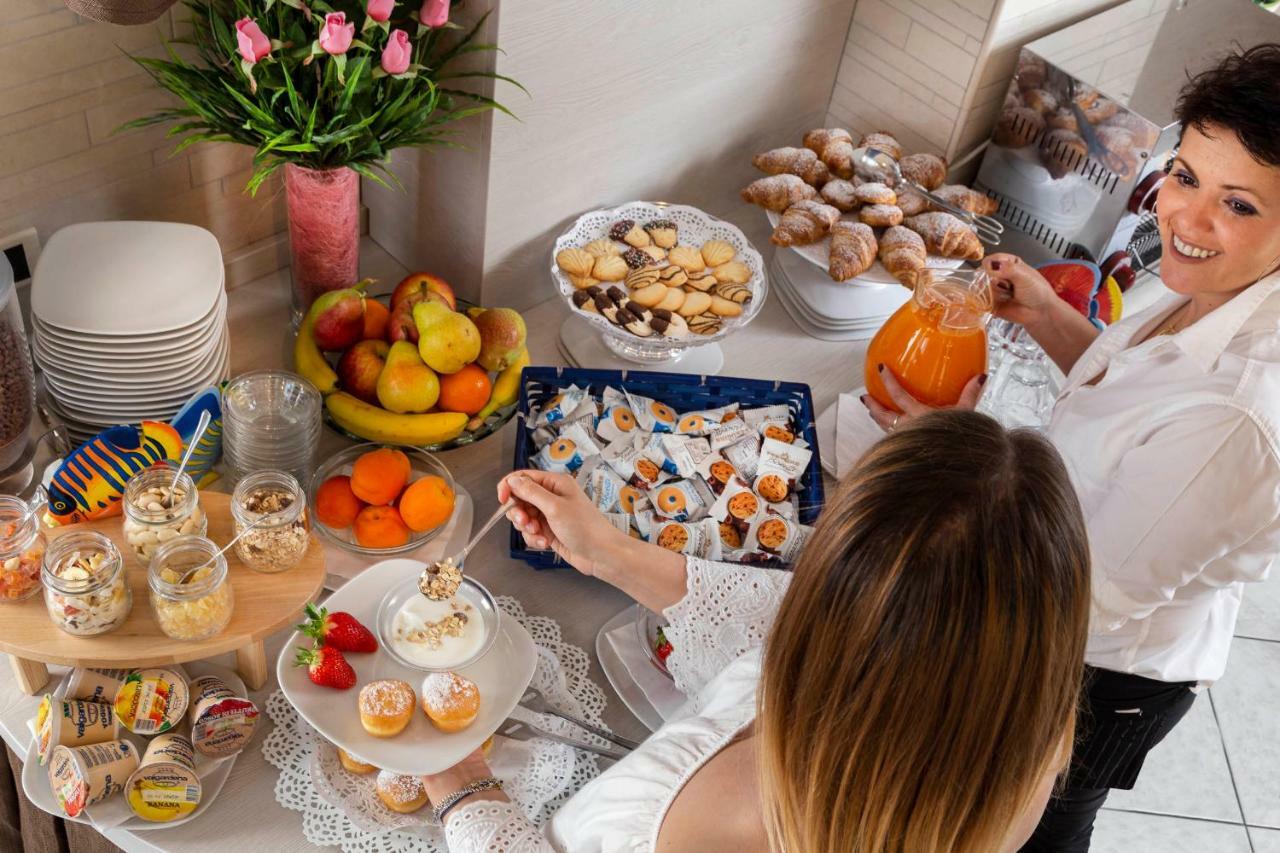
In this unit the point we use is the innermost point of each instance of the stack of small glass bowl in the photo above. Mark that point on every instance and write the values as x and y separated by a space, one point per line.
271 420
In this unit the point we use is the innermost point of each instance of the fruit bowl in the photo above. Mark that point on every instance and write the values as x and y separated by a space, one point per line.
421 464
694 227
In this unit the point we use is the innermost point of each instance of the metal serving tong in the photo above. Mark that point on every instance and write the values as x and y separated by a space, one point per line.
520 730
534 701
874 160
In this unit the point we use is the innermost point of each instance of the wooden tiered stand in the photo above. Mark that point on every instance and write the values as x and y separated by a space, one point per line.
264 603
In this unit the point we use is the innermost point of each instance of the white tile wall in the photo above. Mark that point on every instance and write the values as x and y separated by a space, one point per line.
64 88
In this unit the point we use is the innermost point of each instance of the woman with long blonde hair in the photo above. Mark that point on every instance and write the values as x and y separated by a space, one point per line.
911 686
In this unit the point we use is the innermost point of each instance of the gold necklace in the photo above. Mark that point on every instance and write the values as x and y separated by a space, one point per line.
1171 326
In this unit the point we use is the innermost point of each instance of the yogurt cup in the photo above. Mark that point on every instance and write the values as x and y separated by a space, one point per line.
95 685
151 701
165 786
80 776
72 722
222 724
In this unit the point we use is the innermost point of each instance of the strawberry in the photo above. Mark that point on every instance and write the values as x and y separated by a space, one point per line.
327 667
340 630
662 647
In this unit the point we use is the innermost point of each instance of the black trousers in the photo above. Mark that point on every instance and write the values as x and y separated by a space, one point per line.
1122 717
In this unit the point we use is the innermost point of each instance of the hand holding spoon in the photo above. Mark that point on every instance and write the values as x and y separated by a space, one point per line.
440 581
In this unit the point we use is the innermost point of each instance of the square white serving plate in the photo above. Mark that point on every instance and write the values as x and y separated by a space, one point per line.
213 772
501 675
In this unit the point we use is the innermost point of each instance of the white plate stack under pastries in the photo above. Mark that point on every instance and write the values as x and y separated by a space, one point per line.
128 320
832 310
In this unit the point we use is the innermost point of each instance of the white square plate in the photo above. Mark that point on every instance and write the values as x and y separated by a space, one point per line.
501 675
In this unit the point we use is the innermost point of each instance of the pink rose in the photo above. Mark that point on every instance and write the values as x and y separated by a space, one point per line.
380 10
397 53
336 34
435 13
254 44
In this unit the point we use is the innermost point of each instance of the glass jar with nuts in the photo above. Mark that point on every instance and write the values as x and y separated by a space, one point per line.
273 503
190 594
22 546
84 584
155 513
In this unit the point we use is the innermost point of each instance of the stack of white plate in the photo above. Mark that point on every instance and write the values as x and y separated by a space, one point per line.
129 319
832 310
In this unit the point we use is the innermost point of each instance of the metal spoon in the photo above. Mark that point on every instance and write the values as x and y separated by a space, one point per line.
455 561
201 426
191 572
878 162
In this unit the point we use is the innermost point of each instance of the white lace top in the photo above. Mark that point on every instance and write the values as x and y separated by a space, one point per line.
717 631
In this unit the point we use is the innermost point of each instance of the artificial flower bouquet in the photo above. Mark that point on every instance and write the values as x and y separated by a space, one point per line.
320 84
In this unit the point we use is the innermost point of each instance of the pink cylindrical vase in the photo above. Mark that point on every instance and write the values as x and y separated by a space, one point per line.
324 231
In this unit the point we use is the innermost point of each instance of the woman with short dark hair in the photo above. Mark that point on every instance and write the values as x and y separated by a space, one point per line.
1169 424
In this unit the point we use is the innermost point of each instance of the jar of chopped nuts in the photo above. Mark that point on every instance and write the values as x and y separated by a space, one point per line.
84 584
155 514
274 504
190 605
22 545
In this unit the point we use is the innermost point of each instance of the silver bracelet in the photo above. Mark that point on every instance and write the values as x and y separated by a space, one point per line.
489 783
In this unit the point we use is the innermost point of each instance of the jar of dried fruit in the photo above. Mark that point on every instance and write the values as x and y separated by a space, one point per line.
190 605
158 511
22 546
84 584
274 505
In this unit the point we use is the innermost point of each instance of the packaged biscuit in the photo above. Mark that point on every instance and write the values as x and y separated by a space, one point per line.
559 407
616 418
633 501
568 452
735 511
652 416
679 500
744 456
703 422
635 465
779 536
604 487
586 414
716 472
730 432
756 418
542 436
695 538
780 469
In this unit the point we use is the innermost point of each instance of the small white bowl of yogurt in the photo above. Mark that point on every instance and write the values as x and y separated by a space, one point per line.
437 636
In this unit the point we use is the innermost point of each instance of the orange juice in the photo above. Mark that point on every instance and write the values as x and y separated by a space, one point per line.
935 343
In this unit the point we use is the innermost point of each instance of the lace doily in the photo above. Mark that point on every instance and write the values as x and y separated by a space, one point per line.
694 227
341 809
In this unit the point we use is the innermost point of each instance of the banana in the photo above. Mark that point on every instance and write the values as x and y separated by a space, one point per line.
475 311
310 362
506 388
375 424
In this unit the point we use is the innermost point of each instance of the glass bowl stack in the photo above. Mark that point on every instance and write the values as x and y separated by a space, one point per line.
271 420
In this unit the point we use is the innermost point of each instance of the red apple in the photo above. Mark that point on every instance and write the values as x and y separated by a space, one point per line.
339 319
359 368
400 326
424 285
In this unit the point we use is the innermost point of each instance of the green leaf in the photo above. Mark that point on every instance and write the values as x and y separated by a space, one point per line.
489 102
489 74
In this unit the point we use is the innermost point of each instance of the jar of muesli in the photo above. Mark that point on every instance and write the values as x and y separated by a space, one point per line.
274 505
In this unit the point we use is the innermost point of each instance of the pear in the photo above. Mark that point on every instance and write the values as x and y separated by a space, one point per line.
406 385
447 341
502 337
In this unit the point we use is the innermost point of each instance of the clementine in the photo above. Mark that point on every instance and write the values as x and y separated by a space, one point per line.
465 391
336 505
376 317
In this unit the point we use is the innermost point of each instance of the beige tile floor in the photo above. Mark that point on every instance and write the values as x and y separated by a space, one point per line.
1213 786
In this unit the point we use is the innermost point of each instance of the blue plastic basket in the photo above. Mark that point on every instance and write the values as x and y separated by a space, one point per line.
681 392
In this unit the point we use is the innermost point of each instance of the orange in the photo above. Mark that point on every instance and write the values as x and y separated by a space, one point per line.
378 476
376 317
465 391
336 505
380 527
427 503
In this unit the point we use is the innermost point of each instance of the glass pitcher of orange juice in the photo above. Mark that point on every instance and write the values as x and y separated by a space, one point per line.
936 342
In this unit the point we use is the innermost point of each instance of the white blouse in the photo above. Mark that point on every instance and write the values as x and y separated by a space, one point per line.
1174 456
717 632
